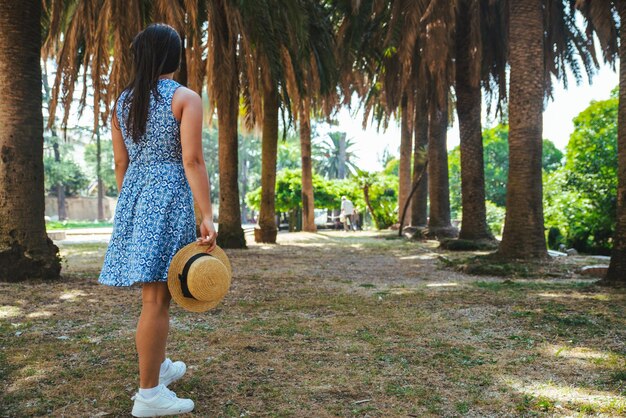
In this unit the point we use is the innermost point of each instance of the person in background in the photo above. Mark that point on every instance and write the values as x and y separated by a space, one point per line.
347 212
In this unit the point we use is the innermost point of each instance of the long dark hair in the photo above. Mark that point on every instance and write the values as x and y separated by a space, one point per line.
156 51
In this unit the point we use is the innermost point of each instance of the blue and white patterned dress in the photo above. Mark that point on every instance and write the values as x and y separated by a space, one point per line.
154 216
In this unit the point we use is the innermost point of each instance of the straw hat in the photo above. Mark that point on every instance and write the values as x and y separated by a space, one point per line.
197 280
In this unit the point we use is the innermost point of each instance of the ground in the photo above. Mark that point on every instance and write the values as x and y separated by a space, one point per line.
328 324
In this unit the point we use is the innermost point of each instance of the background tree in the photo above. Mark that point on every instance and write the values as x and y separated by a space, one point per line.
333 156
581 197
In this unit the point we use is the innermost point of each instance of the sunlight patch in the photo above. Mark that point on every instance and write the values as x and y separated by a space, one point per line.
72 295
581 353
8 311
429 256
39 314
442 284
568 394
573 296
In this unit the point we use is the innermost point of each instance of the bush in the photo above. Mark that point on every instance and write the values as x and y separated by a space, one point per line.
495 217
580 199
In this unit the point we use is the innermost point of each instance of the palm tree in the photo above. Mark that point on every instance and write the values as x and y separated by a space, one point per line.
523 235
617 268
468 105
544 42
25 250
223 87
406 148
316 92
333 156
601 20
419 202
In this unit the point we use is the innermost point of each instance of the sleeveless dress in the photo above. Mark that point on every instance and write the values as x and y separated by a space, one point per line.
154 216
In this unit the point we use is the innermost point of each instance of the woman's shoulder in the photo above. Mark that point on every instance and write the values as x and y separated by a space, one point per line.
185 96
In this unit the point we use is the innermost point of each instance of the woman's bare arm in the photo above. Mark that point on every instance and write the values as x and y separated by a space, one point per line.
120 153
190 105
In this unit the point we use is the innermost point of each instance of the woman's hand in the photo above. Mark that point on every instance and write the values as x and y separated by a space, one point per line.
208 234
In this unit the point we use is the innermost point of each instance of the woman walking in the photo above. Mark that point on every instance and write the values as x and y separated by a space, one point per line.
159 168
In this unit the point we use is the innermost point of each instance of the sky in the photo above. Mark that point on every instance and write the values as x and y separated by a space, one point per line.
557 120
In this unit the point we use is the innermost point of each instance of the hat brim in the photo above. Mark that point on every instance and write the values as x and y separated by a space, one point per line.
176 267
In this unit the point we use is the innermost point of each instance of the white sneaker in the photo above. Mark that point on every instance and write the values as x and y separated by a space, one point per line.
175 371
165 402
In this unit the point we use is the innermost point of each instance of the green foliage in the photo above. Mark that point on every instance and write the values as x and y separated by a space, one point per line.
289 192
495 217
326 153
581 197
107 169
383 194
66 172
496 157
392 168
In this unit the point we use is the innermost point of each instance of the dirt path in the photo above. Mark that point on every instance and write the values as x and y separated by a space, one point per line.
329 324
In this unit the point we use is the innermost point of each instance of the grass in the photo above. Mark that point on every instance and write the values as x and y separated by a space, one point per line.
61 225
325 325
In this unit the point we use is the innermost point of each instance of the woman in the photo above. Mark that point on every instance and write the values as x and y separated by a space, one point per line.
157 143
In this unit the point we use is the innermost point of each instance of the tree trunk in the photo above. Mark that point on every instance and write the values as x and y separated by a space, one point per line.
60 188
308 203
617 267
368 203
341 168
468 105
99 176
266 231
523 236
419 202
438 181
406 145
230 233
26 252
244 189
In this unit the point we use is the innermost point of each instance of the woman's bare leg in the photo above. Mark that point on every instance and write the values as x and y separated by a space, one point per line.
152 330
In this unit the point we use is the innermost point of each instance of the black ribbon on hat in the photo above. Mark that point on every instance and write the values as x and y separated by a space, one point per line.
183 276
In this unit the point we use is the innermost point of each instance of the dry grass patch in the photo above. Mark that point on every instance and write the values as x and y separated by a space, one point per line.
328 324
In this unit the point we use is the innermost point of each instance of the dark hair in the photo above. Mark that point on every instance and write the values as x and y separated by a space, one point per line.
156 51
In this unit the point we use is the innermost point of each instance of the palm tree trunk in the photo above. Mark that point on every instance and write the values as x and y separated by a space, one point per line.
406 145
26 252
419 202
438 181
62 214
617 267
341 164
230 233
308 202
368 203
523 236
468 105
266 231
99 176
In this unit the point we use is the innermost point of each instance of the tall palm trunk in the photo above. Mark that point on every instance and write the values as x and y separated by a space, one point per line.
523 236
99 176
438 181
308 203
341 163
62 214
419 202
406 146
266 231
230 233
468 105
617 267
25 249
